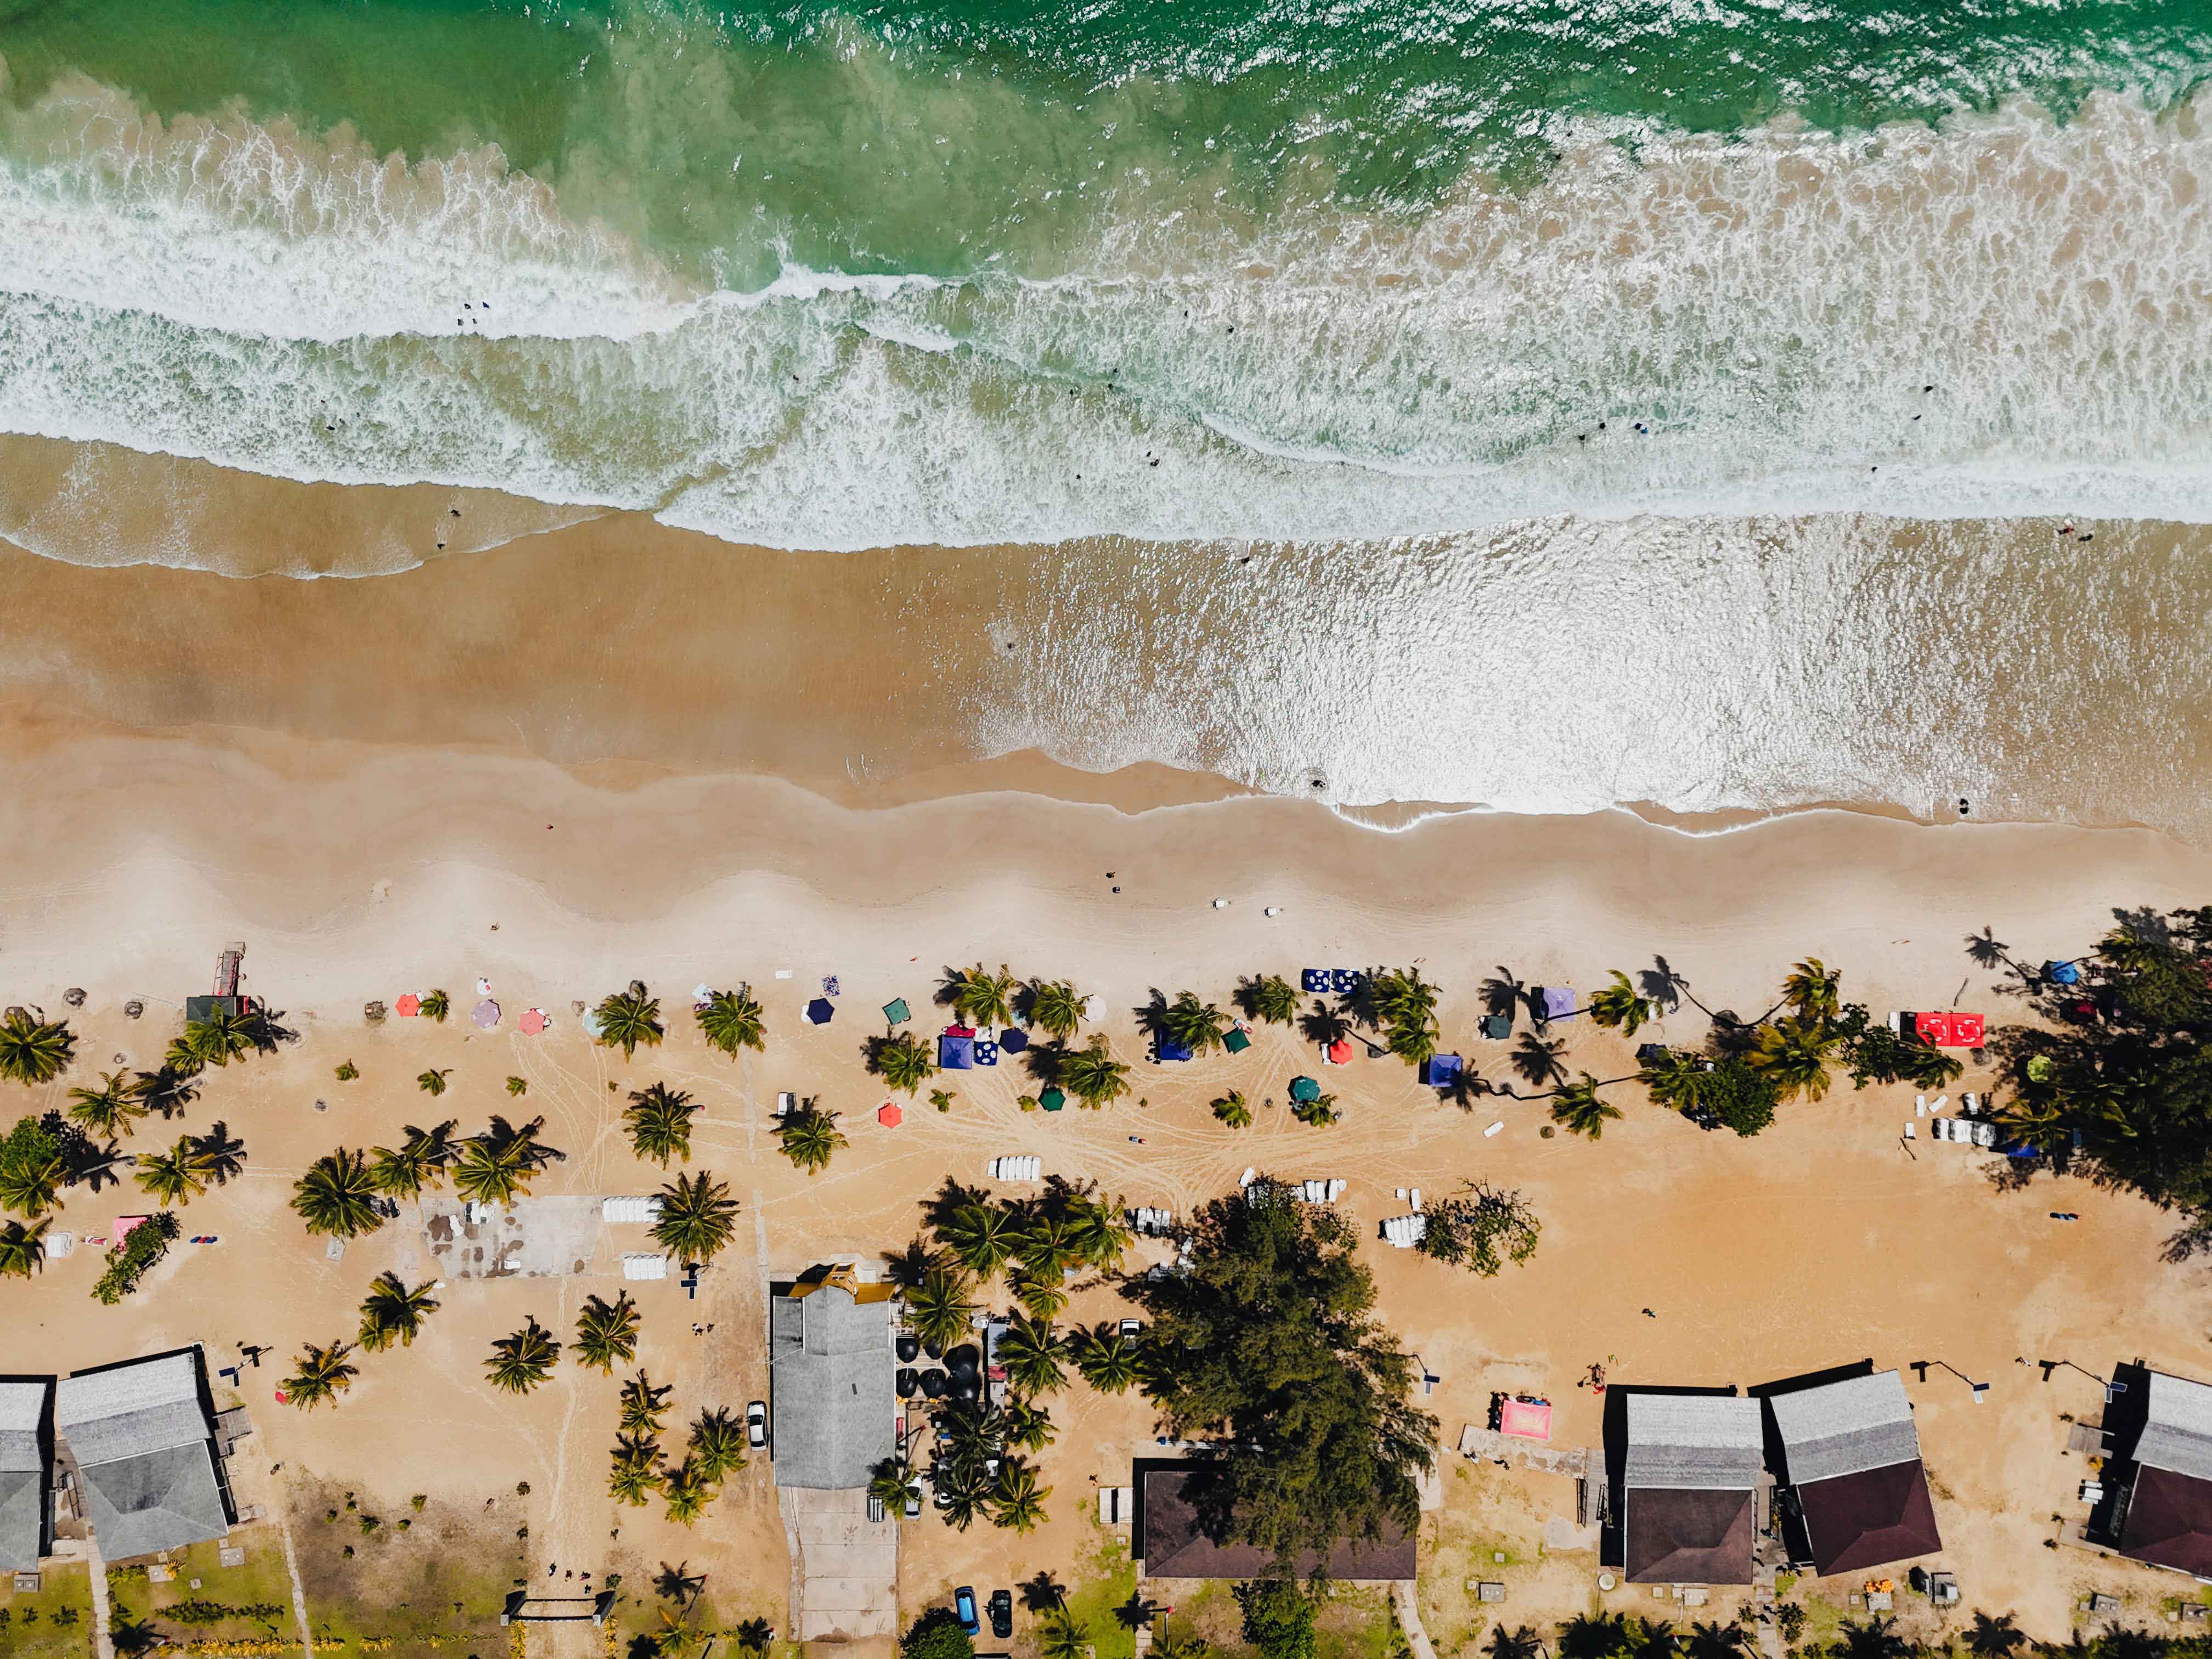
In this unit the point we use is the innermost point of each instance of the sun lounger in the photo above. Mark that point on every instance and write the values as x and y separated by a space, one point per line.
1416 1197
1496 1128
643 1264
1399 1192
786 1104
1970 1104
1920 1107
1942 1101
1249 1176
631 1211
1911 1132
1017 1167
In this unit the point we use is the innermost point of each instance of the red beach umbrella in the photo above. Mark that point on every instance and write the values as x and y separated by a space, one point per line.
889 1115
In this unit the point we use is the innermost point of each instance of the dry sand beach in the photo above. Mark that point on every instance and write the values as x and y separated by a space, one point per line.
354 872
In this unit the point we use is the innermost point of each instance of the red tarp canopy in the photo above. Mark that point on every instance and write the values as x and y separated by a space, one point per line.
1525 1420
1949 1030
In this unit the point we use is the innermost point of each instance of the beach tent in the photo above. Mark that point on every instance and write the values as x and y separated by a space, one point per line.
1943 1031
1441 1071
408 1006
1525 1420
485 1014
1236 1042
955 1054
896 1013
889 1115
1559 1001
819 1011
1340 1052
1497 1027
1052 1100
1305 1089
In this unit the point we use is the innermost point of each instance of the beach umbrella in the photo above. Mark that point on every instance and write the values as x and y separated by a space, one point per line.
819 1011
1340 1052
408 1006
533 1020
1013 1040
486 1014
1305 1089
1052 1100
896 1011
889 1115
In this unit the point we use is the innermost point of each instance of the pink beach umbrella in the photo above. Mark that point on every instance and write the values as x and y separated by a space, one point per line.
408 1006
533 1021
486 1014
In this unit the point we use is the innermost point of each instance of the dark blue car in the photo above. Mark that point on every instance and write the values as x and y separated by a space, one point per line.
964 1609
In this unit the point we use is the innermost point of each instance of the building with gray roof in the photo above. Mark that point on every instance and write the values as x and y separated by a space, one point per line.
1857 1495
27 1449
830 1389
142 1435
2158 1506
1689 1474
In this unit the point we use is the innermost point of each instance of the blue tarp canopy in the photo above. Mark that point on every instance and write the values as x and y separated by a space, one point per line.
955 1054
1169 1048
2063 973
819 1011
1442 1071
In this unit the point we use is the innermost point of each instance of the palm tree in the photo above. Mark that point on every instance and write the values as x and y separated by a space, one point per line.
1519 1643
436 1005
1998 1638
1018 1503
730 1020
175 1176
1106 1358
636 1468
1041 1299
718 1441
392 1310
904 1269
110 1109
627 1018
31 1177
1031 1354
1537 1058
490 1172
1794 1052
961 1495
1064 1636
1594 1636
1231 1109
1620 1005
606 1332
688 1490
522 1360
1268 997
221 1037
1653 1638
659 1122
1092 1075
1027 1425
1812 988
420 1160
433 1083
322 1374
1097 1233
1876 1638
1192 1022
698 1218
1712 1640
1055 1008
1580 1110
1048 1246
1318 1113
810 1137
34 1049
940 1308
644 1406
217 1155
22 1249
337 1196
891 1482
982 1236
979 996
900 1060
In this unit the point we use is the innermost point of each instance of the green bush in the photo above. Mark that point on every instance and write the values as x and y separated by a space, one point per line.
149 1242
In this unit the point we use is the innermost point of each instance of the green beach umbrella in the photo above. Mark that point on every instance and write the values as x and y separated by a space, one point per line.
1236 1042
897 1012
1052 1100
1305 1089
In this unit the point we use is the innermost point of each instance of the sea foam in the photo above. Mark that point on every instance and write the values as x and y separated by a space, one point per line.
2003 315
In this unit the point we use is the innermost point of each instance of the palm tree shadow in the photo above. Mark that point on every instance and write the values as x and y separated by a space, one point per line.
1324 1024
1152 1015
1502 993
1044 1060
1042 1593
1137 1613
679 1584
938 1210
1660 983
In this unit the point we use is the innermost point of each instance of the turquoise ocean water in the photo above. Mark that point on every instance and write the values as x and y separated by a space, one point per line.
1509 277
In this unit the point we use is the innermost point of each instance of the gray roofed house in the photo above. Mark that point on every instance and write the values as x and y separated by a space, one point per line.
23 1472
2177 1432
144 1444
1842 1428
829 1380
1692 1441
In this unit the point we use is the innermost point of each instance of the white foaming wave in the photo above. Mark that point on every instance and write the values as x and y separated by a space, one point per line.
1768 311
223 224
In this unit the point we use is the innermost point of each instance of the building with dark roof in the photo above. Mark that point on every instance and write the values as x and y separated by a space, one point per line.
27 1456
142 1435
1172 1541
1689 1477
1856 1495
2158 1503
829 1380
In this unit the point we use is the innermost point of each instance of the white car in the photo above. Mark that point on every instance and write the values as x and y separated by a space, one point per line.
757 1423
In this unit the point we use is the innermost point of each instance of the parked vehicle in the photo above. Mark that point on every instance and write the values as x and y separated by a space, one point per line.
964 1609
1002 1613
757 1423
